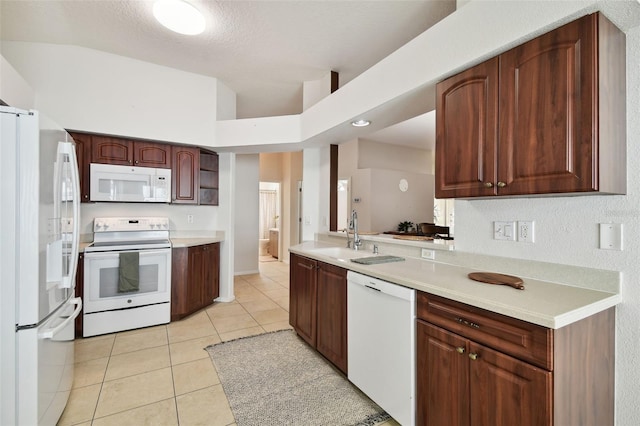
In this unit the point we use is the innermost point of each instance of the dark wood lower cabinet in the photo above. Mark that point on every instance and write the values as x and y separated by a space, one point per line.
461 382
318 307
195 278
79 292
331 334
303 285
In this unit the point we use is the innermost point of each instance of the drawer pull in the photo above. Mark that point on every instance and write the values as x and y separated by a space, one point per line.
460 349
468 323
473 356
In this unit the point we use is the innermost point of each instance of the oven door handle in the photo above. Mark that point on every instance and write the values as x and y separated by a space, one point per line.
115 253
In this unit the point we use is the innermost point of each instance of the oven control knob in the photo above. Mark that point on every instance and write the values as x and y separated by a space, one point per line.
129 301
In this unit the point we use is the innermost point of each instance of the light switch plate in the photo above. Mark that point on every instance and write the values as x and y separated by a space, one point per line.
611 236
504 231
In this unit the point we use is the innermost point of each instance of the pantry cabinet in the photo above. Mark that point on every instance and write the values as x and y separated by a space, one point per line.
476 367
546 117
318 307
195 278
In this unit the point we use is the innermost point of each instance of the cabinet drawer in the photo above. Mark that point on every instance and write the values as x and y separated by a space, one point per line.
520 339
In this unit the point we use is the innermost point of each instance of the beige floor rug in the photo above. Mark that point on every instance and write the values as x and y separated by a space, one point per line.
277 379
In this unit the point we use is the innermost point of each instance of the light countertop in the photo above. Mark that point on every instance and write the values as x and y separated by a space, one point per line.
194 241
545 303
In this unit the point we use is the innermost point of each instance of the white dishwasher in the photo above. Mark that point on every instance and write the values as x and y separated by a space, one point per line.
381 343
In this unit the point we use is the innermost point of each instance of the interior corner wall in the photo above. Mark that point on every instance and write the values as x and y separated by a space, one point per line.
394 206
225 102
292 173
14 90
315 192
85 89
246 214
376 155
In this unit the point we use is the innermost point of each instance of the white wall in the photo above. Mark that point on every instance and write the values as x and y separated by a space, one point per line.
84 89
292 173
14 90
376 155
375 170
315 192
246 213
205 218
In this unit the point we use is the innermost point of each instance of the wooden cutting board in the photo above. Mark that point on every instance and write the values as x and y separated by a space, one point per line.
498 279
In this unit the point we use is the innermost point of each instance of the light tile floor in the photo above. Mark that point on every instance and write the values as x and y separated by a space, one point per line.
161 375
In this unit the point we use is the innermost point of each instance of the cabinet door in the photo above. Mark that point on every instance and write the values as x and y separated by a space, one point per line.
211 273
303 294
332 314
79 292
442 385
195 285
506 391
149 154
548 112
83 153
185 175
108 150
466 132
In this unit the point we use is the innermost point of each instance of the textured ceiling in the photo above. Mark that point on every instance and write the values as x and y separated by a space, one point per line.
263 50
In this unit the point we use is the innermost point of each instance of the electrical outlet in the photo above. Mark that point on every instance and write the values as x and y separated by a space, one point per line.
525 231
504 231
428 254
189 218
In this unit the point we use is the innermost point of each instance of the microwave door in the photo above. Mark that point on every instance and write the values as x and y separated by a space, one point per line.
114 186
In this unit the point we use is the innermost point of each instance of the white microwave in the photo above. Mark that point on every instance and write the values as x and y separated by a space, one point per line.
130 184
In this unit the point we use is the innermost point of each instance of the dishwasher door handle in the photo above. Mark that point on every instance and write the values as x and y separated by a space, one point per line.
372 288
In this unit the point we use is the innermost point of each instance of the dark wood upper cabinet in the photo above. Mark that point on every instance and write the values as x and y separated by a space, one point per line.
125 152
150 154
546 117
467 132
185 175
83 154
110 150
208 178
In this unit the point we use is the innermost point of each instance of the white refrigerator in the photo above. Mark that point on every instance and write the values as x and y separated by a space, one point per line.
39 225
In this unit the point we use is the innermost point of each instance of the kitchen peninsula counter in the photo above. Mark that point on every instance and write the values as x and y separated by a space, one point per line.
554 295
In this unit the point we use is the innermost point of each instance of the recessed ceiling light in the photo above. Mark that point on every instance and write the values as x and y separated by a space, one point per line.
179 16
360 123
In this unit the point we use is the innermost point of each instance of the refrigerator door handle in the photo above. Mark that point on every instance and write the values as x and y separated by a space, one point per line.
68 281
49 333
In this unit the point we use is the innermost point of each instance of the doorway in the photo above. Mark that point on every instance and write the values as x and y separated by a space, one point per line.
269 222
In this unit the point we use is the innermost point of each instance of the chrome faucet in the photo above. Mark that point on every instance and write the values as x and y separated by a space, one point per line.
346 231
353 225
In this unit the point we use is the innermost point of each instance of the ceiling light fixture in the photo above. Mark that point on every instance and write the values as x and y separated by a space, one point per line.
360 123
179 16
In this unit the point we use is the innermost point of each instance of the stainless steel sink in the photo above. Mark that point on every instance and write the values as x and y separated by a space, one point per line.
374 260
